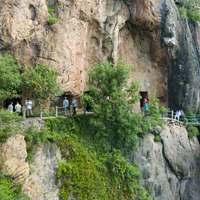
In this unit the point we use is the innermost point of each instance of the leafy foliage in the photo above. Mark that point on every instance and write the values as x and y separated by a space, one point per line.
189 9
34 138
192 131
157 138
112 120
52 20
89 172
7 191
10 77
7 121
51 11
42 82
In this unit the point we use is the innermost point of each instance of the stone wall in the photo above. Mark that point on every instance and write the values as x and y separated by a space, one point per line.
170 168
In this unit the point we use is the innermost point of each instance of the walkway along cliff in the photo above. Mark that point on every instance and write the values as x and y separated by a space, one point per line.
162 47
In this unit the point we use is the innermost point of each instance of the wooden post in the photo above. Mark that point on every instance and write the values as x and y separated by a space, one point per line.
172 115
24 112
84 110
71 110
56 111
40 113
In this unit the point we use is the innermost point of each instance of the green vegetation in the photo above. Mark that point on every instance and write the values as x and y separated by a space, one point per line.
7 120
92 172
7 191
189 9
112 119
10 84
192 131
42 82
170 179
181 83
51 11
157 138
52 20
34 138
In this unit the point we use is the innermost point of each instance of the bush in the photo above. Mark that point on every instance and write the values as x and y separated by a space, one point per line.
52 20
192 131
189 10
157 138
7 191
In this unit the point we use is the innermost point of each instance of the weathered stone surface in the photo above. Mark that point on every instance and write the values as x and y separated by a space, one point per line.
13 155
88 32
183 51
42 183
171 168
157 130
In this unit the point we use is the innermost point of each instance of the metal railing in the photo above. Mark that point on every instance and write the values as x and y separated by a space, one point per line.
69 111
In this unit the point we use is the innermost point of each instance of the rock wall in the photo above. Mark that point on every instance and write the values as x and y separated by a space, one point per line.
170 168
38 179
150 34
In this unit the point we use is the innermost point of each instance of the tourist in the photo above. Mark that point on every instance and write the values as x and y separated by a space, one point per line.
146 108
65 104
182 115
18 108
29 108
178 113
74 105
10 107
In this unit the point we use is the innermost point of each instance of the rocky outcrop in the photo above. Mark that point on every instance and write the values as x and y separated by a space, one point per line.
42 182
38 179
170 168
13 155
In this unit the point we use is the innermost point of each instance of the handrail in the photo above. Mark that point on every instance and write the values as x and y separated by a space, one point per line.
56 111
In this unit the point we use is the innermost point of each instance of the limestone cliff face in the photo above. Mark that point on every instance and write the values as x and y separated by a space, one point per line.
163 49
171 167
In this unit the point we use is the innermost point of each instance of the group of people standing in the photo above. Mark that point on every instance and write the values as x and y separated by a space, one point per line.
18 108
66 105
179 115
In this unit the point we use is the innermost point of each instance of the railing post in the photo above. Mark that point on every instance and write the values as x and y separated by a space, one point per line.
56 111
84 110
172 115
40 113
71 110
24 112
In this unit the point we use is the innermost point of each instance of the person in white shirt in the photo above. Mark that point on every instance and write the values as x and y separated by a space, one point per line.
29 107
65 104
178 114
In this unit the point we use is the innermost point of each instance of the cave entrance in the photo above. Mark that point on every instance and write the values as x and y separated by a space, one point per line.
144 95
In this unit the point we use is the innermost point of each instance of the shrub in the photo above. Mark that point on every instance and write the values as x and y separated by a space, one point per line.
157 138
52 20
7 191
192 131
170 179
189 10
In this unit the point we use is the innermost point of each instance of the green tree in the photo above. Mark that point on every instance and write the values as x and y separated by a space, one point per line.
42 82
10 84
112 119
189 9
